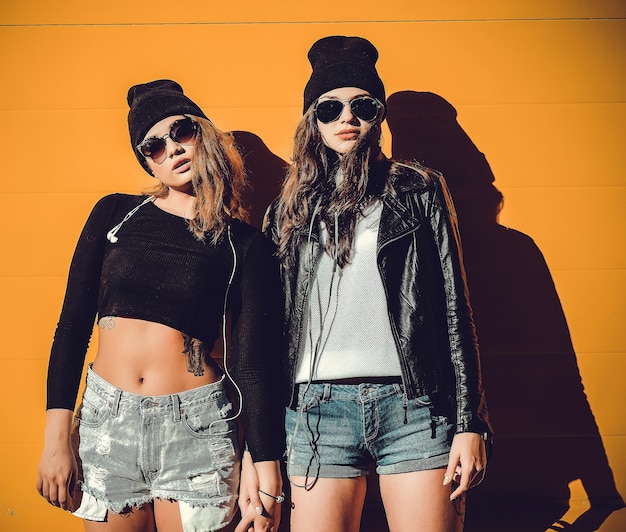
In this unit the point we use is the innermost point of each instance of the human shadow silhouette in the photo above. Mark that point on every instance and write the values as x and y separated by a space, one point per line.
265 172
545 432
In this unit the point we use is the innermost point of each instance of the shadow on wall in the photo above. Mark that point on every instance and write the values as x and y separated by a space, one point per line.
546 435
265 172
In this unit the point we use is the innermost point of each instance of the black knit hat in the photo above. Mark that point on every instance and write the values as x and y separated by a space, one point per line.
151 102
339 61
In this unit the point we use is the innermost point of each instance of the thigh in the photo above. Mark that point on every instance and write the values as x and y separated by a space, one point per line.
138 520
331 504
177 516
420 501
167 515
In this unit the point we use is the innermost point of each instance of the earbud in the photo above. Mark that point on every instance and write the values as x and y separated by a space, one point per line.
111 236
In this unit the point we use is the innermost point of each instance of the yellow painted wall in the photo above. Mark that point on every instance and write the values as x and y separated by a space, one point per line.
538 86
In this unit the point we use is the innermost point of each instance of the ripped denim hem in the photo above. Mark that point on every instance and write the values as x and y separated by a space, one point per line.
128 505
194 517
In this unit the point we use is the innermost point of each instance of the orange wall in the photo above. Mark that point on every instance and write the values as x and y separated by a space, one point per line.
539 87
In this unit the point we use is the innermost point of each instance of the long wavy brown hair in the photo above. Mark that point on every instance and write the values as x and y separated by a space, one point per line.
312 193
218 181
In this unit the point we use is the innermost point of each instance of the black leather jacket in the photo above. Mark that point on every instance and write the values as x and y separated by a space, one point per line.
420 263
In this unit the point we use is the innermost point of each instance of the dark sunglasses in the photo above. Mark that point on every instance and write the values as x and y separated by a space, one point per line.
363 107
182 131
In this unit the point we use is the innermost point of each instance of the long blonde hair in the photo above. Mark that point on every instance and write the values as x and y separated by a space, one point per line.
218 182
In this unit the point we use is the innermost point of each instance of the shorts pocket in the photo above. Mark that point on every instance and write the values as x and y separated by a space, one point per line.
204 420
93 411
308 399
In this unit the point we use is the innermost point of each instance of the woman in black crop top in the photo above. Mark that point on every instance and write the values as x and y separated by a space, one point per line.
154 442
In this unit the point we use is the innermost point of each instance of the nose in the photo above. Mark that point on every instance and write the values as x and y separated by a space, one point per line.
347 117
172 147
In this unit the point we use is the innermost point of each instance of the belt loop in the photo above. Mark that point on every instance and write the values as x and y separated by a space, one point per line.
115 405
327 391
176 407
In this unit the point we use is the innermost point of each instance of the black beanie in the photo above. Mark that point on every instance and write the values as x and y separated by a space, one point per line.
151 102
339 61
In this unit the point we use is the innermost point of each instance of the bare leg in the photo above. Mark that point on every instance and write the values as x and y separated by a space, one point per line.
420 501
167 515
331 505
139 520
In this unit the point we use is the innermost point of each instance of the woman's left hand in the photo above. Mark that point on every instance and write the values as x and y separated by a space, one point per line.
259 512
468 459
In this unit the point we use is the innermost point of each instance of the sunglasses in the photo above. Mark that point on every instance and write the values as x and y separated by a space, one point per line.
364 108
182 131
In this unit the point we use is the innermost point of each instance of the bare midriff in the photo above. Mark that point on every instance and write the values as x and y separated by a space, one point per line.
146 358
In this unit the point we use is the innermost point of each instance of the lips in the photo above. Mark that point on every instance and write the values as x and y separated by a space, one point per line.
182 165
348 134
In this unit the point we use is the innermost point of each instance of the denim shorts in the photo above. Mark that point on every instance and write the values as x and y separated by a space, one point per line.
133 449
339 430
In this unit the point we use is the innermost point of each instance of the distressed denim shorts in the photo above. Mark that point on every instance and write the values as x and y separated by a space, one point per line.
133 449
338 430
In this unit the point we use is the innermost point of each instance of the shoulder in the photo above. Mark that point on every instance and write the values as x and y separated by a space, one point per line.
249 238
409 177
110 210
117 201
255 252
244 232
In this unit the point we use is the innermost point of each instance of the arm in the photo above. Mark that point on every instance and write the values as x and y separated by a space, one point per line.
471 408
257 346
78 313
468 453
257 343
58 471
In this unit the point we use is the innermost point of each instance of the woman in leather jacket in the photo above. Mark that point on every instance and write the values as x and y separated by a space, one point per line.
382 356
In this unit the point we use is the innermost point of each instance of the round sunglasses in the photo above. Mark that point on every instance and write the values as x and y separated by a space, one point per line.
182 131
363 107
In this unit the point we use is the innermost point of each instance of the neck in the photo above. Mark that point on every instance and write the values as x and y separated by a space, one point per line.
178 203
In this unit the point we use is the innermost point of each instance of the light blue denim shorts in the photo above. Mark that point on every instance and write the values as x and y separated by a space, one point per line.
338 430
133 449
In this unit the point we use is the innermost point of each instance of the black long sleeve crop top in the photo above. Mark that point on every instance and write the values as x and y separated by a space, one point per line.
158 271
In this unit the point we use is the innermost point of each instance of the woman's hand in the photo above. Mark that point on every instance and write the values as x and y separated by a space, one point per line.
58 471
468 459
259 512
